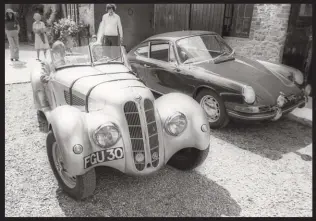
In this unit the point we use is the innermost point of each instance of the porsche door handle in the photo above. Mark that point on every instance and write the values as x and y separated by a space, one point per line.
146 66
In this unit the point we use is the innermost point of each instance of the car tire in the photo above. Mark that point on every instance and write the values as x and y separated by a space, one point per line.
84 184
42 121
223 118
188 158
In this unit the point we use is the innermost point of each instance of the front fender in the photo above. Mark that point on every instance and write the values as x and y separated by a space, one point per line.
193 136
69 129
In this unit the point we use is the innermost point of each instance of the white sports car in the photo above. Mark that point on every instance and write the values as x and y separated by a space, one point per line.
99 113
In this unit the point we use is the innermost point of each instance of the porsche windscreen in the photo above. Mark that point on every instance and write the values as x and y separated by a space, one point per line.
202 48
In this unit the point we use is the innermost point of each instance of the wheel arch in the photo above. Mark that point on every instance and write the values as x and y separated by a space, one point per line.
201 87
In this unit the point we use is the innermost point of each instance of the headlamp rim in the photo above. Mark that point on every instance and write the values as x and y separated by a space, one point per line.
177 113
115 126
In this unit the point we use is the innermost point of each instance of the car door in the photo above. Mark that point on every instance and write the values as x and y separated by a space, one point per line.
164 75
137 58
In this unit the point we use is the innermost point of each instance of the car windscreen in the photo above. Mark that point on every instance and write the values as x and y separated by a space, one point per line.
201 48
70 57
107 54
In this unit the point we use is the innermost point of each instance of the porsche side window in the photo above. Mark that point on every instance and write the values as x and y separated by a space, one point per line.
160 51
172 57
142 50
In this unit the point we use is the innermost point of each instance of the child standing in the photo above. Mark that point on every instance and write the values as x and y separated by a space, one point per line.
41 41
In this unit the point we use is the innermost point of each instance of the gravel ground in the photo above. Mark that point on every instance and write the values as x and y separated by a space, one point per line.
252 170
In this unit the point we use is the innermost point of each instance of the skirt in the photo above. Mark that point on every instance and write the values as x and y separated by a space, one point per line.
39 44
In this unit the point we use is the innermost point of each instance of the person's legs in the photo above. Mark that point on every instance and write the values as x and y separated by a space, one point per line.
115 51
16 44
45 53
38 53
10 36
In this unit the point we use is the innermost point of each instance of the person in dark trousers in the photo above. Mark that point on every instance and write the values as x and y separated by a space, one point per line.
12 29
110 29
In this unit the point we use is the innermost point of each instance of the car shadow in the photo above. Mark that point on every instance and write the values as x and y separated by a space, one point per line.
169 192
268 139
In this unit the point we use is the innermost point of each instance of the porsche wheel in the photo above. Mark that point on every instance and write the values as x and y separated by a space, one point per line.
188 158
79 187
214 108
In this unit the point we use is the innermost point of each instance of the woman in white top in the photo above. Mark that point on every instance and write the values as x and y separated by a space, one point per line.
41 41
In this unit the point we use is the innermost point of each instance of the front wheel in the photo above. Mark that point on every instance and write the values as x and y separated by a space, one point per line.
214 108
79 187
188 158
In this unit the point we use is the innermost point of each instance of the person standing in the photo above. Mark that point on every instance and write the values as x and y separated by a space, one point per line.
12 29
41 41
110 29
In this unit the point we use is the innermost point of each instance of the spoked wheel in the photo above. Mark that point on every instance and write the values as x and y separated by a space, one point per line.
69 180
78 187
214 108
211 107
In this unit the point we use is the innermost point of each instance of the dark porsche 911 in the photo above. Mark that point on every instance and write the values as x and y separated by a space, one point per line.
202 65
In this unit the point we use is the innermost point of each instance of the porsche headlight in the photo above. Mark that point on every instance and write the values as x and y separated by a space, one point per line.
298 76
176 124
106 135
249 94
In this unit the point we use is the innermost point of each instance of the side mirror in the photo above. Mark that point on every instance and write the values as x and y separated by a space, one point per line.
174 65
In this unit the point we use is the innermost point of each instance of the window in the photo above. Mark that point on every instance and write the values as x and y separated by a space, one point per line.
237 20
306 10
160 51
142 50
172 57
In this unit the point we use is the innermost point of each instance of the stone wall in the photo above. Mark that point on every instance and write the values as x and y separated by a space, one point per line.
86 15
267 33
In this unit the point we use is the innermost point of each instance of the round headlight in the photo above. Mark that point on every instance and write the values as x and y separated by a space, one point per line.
298 77
308 90
176 124
249 94
106 135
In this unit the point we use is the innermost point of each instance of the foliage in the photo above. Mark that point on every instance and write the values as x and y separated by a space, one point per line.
67 27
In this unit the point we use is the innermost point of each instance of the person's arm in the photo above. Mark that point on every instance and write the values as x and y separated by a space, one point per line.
18 25
101 30
52 15
120 28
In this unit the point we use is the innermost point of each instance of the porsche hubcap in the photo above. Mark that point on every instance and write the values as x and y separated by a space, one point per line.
211 107
69 180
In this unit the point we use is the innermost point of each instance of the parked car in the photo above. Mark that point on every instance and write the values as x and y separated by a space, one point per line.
99 114
201 65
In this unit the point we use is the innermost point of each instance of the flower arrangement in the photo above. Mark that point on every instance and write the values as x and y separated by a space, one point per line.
65 28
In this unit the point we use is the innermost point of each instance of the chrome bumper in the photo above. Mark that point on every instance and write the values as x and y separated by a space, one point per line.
262 116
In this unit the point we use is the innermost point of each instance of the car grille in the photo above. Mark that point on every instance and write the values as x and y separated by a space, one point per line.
77 101
133 115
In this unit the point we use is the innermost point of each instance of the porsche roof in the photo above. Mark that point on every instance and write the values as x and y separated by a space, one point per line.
175 35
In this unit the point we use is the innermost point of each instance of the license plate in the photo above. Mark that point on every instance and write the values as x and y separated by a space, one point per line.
103 156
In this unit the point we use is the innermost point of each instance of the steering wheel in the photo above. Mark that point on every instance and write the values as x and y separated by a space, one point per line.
104 58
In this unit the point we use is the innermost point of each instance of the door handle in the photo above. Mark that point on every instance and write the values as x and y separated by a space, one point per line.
146 66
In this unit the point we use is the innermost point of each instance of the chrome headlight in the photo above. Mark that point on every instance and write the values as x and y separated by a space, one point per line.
308 90
249 94
176 124
106 135
298 76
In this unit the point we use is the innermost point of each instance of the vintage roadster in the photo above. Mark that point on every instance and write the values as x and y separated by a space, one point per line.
100 114
201 65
